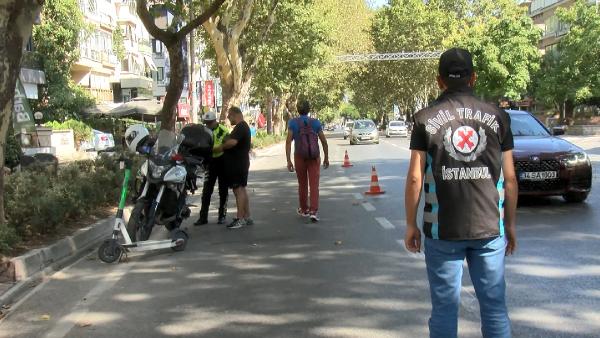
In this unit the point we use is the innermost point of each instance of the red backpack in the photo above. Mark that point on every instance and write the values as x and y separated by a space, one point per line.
308 145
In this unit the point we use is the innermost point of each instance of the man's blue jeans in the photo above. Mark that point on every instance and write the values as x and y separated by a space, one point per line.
485 259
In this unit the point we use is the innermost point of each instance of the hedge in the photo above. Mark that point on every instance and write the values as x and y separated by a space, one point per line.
37 202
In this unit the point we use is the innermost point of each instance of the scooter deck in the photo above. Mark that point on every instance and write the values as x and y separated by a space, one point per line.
150 245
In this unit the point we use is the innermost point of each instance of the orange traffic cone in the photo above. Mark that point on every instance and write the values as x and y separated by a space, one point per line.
347 163
375 189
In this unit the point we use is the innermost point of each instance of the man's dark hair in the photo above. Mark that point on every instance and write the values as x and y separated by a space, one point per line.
235 110
303 107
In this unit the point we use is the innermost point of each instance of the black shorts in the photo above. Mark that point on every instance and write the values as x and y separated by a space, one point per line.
237 179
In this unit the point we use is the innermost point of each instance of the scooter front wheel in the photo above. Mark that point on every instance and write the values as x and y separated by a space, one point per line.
110 251
180 238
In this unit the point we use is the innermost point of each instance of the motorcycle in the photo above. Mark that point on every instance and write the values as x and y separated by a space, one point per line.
168 173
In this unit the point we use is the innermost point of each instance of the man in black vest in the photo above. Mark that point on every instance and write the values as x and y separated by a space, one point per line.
461 154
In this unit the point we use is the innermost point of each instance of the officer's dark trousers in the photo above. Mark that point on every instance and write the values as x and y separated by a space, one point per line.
216 171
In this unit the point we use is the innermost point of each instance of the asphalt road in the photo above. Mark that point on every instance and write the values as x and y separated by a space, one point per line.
347 276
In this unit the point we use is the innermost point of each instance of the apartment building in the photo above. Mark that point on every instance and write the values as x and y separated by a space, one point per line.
99 70
543 13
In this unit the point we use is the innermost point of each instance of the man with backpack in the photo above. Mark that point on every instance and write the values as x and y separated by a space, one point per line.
306 133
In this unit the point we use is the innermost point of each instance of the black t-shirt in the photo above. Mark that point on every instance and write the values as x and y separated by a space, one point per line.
238 157
464 185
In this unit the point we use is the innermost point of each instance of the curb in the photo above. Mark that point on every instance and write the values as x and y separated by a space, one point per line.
37 265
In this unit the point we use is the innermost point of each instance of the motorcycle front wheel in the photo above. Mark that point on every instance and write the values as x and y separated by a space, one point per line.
137 220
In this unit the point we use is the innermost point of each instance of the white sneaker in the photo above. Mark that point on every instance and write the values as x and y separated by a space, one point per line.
302 213
314 218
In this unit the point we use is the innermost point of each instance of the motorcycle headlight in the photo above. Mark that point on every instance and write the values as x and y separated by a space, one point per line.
157 170
574 159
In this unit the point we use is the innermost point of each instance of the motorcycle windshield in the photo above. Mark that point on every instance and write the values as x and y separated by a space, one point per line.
166 145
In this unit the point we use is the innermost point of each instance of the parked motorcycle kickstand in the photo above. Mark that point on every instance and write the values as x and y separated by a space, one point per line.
111 250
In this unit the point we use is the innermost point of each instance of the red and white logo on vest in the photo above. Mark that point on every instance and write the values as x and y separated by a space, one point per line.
465 139
465 143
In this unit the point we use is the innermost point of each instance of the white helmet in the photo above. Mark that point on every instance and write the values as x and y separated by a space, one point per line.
134 135
209 116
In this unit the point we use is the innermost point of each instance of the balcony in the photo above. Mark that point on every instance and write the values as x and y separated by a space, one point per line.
538 6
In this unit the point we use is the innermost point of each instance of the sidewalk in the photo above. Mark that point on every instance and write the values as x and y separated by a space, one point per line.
33 267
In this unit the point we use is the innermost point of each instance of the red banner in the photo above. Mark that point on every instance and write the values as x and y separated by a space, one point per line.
208 99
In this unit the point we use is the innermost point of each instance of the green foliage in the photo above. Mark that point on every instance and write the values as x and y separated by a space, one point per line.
500 35
56 43
503 41
118 43
12 150
263 140
38 203
81 131
571 74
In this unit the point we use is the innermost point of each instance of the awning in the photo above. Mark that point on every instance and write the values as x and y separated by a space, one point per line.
31 90
32 76
150 63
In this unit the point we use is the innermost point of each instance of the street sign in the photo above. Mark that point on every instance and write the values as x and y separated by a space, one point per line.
22 113
209 94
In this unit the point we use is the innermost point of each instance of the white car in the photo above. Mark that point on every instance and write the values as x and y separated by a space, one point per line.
396 128
348 129
102 141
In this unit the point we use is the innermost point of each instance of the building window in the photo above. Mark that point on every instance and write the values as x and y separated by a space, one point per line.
160 74
157 46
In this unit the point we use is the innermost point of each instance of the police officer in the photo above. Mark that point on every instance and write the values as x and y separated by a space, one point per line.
461 156
216 170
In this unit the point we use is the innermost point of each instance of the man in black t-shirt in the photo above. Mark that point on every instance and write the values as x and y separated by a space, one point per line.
461 155
237 163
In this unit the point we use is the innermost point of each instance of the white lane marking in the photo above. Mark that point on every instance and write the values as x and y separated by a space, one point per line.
397 146
468 300
368 206
79 311
358 196
384 223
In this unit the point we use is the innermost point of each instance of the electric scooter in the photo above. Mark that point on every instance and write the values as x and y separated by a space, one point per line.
113 248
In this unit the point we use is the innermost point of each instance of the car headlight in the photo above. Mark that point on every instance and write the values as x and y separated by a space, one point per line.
574 159
374 133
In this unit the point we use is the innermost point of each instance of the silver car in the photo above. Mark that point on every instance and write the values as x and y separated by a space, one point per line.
364 131
396 128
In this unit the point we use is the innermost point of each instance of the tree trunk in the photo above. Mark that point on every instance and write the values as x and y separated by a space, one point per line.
569 111
280 122
169 109
269 107
16 21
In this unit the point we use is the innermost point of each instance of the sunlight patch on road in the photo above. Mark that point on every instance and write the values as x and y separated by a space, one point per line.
355 332
132 297
376 304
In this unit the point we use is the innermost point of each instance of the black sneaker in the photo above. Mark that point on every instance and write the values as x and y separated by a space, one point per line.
236 224
222 220
201 221
249 221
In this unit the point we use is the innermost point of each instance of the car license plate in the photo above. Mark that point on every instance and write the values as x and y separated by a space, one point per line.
538 176
363 138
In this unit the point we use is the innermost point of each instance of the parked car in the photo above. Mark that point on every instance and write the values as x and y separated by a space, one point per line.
396 128
547 165
102 141
348 129
364 131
